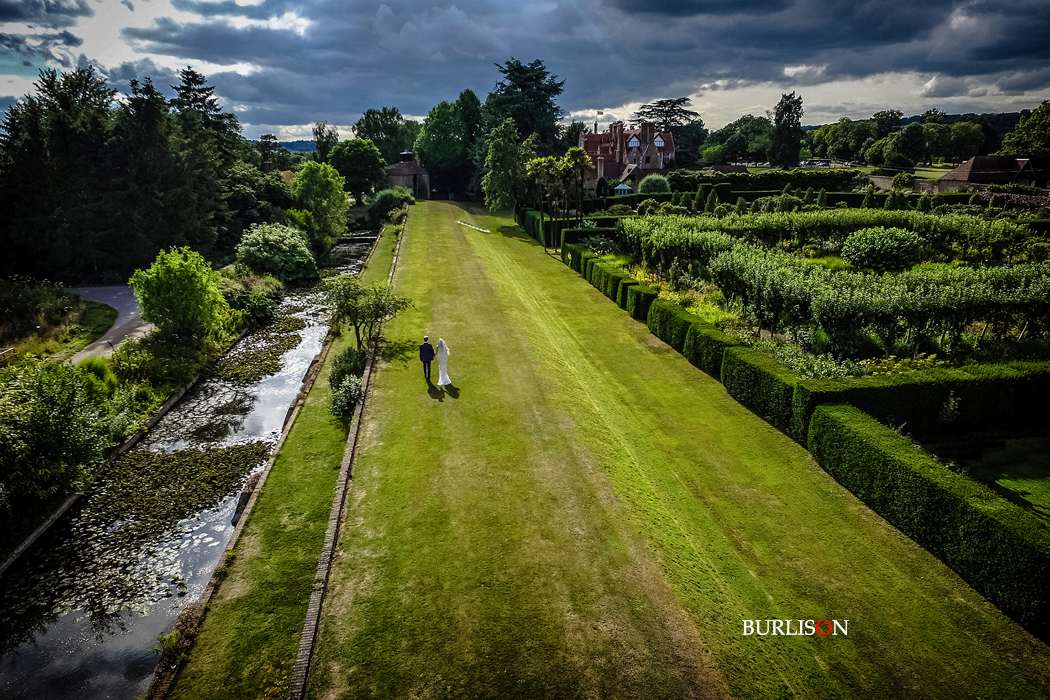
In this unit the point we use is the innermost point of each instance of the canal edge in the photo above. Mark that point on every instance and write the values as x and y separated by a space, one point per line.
121 450
308 639
192 616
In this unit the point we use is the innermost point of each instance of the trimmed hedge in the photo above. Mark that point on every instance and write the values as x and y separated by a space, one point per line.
669 322
998 548
760 383
621 293
704 346
828 179
575 235
571 253
974 398
639 298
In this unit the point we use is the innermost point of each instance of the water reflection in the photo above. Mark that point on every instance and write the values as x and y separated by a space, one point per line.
81 611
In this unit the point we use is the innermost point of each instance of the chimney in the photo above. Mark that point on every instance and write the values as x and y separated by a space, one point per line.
601 166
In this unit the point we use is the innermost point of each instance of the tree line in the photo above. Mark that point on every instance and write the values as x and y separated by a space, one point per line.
95 183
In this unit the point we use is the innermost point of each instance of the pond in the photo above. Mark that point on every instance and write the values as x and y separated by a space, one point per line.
82 610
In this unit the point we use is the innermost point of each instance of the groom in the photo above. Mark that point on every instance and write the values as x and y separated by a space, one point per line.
426 356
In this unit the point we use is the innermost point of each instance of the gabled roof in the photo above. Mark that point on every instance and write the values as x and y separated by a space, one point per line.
1000 169
406 168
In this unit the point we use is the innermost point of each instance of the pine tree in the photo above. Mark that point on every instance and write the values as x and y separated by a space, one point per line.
741 206
807 198
712 202
822 198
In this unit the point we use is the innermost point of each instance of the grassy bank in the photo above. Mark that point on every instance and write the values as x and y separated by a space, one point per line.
251 632
586 514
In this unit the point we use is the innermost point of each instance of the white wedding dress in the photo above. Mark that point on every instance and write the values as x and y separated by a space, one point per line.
442 355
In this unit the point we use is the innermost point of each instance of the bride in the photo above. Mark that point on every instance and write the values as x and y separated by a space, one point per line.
442 356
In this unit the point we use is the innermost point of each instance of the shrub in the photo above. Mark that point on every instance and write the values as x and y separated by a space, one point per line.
280 251
761 384
619 210
55 427
925 204
975 200
998 548
669 322
101 370
349 363
883 249
902 181
345 397
639 298
704 346
651 184
386 200
180 295
648 206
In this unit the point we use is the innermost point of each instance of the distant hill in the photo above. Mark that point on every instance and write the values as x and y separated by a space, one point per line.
299 146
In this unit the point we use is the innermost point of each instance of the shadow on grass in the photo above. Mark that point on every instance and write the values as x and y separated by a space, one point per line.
400 350
435 392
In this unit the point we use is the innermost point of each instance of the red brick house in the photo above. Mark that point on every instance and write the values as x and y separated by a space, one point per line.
628 155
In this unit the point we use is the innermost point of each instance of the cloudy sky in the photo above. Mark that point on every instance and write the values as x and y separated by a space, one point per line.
281 65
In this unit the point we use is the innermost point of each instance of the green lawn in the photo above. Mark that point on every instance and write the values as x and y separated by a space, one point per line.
252 628
587 515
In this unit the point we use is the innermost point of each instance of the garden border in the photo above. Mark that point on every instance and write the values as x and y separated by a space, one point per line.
308 639
192 616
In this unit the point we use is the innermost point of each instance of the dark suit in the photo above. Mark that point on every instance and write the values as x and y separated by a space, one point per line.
426 356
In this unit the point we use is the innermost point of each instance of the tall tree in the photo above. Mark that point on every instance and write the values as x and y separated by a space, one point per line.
544 173
748 138
388 130
319 189
666 114
886 121
472 117
787 132
571 134
52 154
442 149
967 138
506 182
325 139
576 162
360 164
1031 137
526 94
271 151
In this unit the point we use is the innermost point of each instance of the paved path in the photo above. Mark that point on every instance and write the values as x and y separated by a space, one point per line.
129 323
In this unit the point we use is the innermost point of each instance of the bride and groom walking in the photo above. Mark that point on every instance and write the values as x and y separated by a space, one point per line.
426 356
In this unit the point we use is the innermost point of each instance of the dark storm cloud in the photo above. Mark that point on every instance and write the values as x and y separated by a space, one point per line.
415 53
33 50
50 13
688 8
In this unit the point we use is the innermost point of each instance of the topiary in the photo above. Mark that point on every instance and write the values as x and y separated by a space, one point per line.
822 198
883 249
975 200
925 204
741 206
648 207
653 184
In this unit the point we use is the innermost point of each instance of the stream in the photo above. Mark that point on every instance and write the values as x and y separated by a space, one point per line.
81 611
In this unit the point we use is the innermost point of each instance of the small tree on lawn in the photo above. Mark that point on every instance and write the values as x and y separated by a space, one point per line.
180 295
364 309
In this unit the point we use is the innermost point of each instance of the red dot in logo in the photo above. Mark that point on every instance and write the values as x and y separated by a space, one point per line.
822 634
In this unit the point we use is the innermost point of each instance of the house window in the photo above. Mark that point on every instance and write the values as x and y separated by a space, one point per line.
647 159
658 142
634 142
